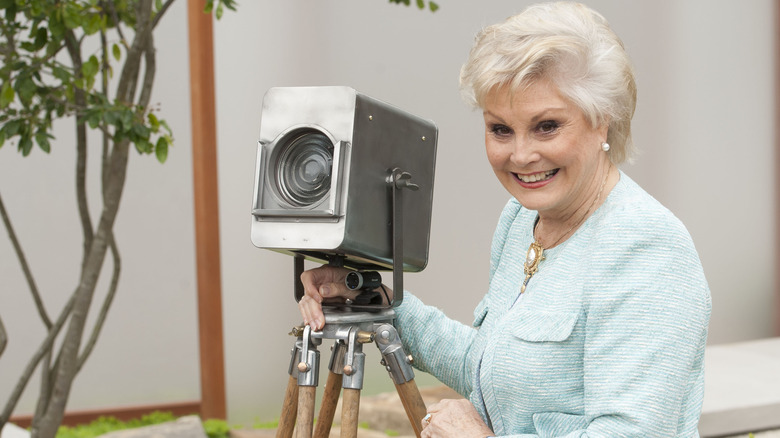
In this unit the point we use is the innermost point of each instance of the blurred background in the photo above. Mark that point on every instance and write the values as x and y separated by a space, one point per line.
704 127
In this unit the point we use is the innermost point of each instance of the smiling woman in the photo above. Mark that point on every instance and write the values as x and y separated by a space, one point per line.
545 154
595 319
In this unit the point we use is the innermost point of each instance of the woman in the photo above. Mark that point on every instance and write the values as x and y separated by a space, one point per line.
595 320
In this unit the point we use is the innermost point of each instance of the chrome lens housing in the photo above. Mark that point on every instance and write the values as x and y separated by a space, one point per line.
302 167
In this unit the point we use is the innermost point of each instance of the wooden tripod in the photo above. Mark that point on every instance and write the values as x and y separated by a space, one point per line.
350 331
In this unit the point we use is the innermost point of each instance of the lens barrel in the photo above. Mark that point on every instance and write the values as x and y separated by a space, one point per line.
363 280
303 167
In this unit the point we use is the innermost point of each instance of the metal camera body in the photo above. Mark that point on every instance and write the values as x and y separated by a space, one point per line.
322 189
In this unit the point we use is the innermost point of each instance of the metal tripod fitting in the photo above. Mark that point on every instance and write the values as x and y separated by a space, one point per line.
354 361
395 360
295 359
309 365
338 351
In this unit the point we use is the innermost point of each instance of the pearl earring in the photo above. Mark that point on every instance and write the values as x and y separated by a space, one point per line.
605 146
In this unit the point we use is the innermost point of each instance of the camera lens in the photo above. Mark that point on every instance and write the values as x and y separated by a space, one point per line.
363 280
303 167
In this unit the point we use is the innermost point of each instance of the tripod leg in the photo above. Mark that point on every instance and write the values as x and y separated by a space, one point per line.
399 365
306 395
413 404
349 413
328 407
289 410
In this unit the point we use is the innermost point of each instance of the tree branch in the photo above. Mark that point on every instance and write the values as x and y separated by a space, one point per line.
161 12
25 266
128 80
106 305
44 393
45 347
111 7
74 51
150 60
112 239
3 338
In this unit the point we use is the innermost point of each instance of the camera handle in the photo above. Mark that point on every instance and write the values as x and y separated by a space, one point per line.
349 331
399 180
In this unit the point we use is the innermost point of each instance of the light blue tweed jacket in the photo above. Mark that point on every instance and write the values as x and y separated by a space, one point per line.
607 341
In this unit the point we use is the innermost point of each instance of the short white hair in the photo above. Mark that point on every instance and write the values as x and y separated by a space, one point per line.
572 46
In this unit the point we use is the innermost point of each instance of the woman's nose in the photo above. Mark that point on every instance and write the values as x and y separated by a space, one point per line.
524 152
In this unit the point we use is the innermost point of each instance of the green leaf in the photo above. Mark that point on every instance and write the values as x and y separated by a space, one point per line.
141 131
6 94
5 4
61 73
25 145
10 13
126 117
143 146
94 120
158 4
110 117
56 27
71 16
220 10
12 128
165 126
93 24
117 52
90 68
42 138
421 4
154 122
26 89
41 38
433 6
161 149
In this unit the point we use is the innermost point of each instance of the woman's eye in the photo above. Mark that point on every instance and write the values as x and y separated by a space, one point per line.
500 130
547 127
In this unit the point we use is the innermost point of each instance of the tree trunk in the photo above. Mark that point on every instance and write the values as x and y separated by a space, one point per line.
46 427
68 362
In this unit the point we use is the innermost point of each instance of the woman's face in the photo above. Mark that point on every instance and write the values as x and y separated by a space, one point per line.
543 150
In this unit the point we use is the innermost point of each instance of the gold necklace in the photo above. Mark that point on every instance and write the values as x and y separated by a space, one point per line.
535 254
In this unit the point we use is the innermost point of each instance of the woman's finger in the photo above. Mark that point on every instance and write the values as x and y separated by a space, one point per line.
311 312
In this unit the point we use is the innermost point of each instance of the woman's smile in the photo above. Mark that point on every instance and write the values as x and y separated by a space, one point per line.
534 180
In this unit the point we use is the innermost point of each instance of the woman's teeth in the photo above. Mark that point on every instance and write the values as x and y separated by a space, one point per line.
536 176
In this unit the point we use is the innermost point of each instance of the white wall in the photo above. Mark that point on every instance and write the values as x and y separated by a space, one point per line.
704 125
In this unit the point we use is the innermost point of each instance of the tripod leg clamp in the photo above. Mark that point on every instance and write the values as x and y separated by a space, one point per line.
309 365
395 360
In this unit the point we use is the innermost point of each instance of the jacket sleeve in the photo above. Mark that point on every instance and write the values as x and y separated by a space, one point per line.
440 346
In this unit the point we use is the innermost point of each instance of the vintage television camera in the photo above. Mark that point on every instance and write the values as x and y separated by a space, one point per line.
330 161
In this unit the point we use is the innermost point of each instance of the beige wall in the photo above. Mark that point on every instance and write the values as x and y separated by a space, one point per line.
704 125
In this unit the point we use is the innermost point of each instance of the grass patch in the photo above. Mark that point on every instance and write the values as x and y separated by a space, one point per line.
110 424
213 428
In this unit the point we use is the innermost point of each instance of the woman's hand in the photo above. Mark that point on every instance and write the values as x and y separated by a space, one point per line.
325 283
453 419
